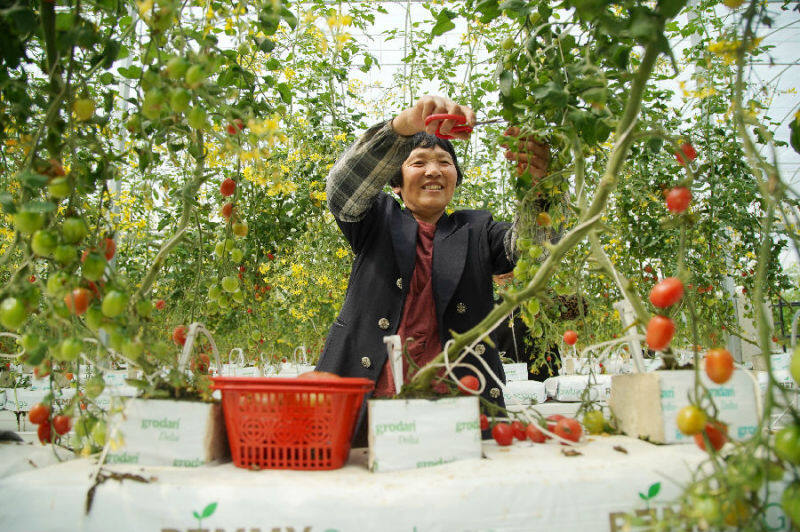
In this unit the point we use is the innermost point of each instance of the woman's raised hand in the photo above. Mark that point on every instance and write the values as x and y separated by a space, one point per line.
412 120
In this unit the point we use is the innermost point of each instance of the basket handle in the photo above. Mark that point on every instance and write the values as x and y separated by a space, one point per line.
302 349
195 329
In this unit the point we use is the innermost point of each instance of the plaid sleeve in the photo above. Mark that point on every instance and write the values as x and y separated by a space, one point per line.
363 170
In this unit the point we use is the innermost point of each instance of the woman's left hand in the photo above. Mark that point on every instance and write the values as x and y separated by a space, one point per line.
529 154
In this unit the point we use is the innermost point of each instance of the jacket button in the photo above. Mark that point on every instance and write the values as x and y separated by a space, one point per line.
480 349
366 362
461 308
383 323
494 392
399 283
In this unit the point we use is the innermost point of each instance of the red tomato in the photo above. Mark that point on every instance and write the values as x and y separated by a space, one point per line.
231 129
484 422
61 424
666 292
660 331
678 199
569 429
648 269
470 382
503 434
570 337
160 304
270 256
228 187
518 429
719 365
200 363
39 414
44 432
239 123
227 211
688 152
552 420
109 248
717 435
534 434
77 301
179 335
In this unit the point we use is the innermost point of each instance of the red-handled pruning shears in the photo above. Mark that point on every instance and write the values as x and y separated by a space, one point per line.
460 126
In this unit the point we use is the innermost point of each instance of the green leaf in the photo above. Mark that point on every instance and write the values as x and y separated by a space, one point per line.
7 203
286 92
654 489
106 78
444 23
794 137
131 72
32 179
209 510
670 8
196 515
39 206
266 45
489 10
506 80
516 6
289 17
138 383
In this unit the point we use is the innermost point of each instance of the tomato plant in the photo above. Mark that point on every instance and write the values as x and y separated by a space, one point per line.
39 414
787 444
61 424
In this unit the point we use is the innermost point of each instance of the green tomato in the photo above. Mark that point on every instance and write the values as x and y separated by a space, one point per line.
73 230
114 303
594 422
238 296
790 502
237 255
28 222
115 339
95 386
94 318
58 284
65 254
194 76
507 44
144 308
29 342
230 244
99 433
197 118
70 349
12 313
214 292
219 249
44 242
706 507
535 252
153 104
132 349
176 68
787 444
230 283
94 266
59 188
83 426
179 100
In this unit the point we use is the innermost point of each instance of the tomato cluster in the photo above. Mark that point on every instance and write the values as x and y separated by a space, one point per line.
40 415
505 433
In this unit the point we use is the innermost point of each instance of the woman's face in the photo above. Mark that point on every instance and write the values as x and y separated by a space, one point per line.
429 180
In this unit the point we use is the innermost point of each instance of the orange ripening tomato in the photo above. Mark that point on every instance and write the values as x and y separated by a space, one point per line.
666 292
719 365
570 337
717 434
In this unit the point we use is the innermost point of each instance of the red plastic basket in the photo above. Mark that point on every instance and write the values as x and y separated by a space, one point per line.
288 423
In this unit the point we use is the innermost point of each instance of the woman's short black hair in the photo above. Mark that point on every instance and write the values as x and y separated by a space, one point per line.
424 140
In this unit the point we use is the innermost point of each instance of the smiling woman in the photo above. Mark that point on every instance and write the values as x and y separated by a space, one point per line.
418 272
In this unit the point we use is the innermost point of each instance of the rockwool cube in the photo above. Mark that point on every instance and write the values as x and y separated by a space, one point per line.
646 404
417 433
